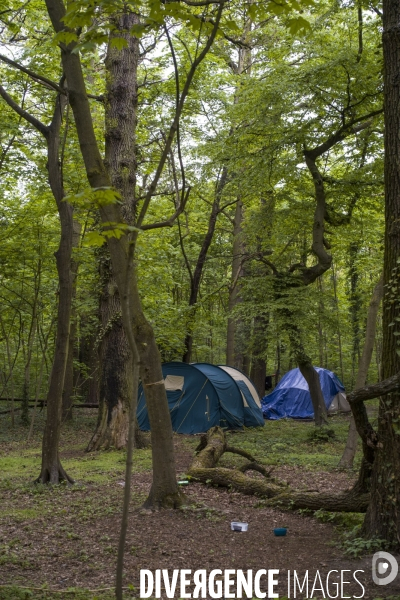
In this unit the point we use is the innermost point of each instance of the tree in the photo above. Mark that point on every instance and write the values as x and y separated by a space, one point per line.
51 469
164 491
363 366
382 520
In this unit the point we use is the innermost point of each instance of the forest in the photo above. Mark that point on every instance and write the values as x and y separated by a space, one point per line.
202 181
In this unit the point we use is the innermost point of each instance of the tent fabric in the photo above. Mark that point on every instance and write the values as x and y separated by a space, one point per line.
291 397
340 403
201 396
239 376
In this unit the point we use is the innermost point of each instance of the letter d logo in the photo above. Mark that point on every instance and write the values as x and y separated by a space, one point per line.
384 564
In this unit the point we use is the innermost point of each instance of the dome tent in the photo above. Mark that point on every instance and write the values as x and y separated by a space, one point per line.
201 396
291 397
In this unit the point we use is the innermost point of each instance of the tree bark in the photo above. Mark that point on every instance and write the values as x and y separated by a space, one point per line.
52 470
382 518
68 391
314 386
116 370
116 378
204 468
349 452
306 367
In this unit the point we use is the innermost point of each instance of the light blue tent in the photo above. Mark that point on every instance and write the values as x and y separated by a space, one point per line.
291 397
201 395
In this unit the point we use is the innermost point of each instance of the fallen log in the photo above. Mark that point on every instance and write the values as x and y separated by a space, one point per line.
205 469
346 502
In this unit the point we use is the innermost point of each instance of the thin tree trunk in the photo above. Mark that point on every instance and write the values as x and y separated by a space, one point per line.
314 386
320 317
68 391
31 339
354 309
305 364
232 355
195 278
11 365
39 381
258 371
52 470
128 476
339 334
349 453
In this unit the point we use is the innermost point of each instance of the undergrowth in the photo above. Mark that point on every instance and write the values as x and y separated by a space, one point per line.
15 592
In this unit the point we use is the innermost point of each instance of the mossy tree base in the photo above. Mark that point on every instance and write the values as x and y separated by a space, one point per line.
54 474
158 501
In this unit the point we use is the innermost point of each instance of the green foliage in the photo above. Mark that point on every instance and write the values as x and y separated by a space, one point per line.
307 78
320 435
357 546
15 592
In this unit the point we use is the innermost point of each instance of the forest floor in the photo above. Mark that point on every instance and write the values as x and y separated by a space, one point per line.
61 542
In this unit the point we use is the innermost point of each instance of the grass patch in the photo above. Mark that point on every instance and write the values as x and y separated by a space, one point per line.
289 442
21 514
14 592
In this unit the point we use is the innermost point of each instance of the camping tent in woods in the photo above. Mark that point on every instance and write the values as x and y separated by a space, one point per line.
291 397
201 395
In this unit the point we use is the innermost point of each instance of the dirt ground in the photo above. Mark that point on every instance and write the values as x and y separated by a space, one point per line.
51 537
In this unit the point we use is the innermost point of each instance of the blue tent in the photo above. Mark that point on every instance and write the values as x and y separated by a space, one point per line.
201 395
291 397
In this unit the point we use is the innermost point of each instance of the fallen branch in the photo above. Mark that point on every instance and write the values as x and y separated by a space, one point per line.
346 502
205 469
374 391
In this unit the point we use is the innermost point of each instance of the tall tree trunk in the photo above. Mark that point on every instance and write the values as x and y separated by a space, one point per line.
382 518
120 160
320 329
52 470
349 452
235 352
116 371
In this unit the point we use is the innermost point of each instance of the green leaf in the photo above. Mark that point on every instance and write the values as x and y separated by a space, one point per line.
298 24
119 43
94 238
232 25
